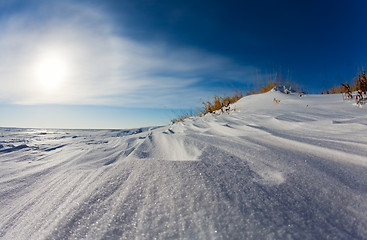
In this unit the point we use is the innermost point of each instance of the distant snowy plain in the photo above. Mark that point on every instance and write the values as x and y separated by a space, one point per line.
293 170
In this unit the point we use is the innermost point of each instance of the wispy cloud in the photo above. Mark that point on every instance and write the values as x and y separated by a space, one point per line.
101 66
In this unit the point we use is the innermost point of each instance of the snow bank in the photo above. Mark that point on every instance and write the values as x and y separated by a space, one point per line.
292 169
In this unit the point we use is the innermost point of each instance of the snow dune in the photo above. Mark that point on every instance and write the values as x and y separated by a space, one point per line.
293 170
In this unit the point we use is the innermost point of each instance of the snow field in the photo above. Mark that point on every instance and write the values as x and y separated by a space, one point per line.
293 170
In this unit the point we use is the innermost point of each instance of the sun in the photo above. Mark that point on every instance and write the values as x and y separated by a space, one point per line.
51 71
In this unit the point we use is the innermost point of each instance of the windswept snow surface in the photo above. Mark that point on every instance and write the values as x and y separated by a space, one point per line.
293 170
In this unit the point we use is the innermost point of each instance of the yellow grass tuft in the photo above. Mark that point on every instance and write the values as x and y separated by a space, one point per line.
266 88
277 101
182 117
270 85
358 85
220 103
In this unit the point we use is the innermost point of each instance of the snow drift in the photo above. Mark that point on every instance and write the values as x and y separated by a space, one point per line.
294 168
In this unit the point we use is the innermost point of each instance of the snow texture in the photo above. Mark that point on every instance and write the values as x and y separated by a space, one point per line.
289 170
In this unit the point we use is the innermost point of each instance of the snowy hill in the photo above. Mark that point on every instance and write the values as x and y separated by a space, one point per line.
295 169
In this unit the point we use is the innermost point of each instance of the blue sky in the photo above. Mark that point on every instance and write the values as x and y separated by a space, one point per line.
123 64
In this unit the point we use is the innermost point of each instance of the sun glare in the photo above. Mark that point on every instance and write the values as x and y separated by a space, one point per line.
51 71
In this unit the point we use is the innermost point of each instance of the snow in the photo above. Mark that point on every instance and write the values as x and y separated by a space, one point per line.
292 170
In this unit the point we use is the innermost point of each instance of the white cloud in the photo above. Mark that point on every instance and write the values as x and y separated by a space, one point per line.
101 67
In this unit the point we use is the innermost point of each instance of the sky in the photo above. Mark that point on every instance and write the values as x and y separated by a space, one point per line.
126 64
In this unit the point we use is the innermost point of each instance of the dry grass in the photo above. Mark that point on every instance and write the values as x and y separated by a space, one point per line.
335 89
358 85
220 103
361 85
182 117
275 100
346 87
276 79
266 88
